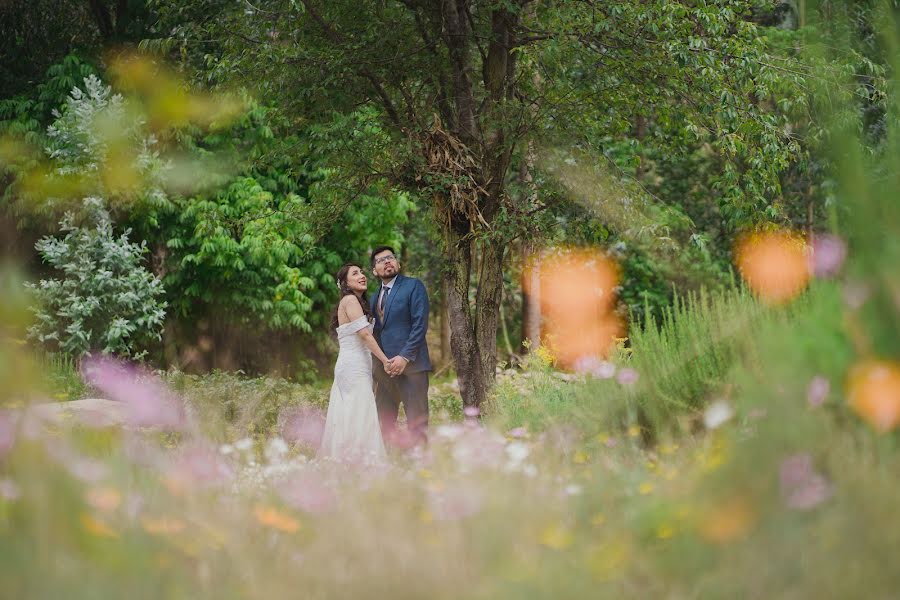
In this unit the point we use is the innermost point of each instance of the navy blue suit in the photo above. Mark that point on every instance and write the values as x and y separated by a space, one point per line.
402 333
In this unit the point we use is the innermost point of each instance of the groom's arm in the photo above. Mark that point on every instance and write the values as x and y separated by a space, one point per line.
418 308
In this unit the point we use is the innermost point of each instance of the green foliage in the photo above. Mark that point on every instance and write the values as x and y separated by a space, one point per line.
105 300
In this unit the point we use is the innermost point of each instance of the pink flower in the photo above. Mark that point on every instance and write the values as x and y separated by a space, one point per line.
199 466
471 411
517 432
627 377
828 255
308 492
802 487
148 402
302 424
817 391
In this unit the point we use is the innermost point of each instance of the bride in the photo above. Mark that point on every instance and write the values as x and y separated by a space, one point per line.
352 432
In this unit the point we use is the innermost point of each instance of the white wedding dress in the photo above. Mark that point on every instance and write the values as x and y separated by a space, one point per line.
352 433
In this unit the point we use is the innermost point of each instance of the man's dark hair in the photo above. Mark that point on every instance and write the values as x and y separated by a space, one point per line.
378 251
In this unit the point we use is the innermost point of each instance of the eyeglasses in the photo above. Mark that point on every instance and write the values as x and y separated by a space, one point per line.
384 259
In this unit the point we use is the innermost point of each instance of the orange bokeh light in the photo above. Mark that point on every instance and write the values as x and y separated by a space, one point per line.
774 264
578 300
873 392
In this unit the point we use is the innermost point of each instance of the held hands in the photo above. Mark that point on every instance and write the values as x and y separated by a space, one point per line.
395 366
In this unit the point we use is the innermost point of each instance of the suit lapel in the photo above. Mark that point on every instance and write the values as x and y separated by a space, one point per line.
390 299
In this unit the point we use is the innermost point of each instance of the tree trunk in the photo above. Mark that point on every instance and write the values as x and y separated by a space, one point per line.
531 298
445 324
487 307
463 341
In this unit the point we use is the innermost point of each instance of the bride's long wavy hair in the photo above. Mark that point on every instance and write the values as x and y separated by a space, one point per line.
341 278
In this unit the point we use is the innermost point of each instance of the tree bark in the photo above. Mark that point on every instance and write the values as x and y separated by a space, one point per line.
463 342
487 307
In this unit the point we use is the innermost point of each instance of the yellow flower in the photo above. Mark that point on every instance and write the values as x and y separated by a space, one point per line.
634 431
425 516
645 488
580 458
556 537
97 527
665 531
274 518
425 474
598 519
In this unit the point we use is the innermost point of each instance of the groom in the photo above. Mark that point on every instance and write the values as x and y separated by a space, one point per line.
401 319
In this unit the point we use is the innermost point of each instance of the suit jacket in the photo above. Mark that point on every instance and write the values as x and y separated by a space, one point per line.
405 322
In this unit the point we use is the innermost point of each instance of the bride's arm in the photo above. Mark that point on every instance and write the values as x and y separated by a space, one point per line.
354 311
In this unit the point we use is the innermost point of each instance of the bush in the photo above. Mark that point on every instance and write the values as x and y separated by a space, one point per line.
105 300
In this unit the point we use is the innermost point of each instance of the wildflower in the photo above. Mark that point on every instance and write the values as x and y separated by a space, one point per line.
197 466
645 488
627 377
226 449
556 537
802 487
303 425
307 492
665 531
471 411
817 391
607 560
517 452
728 521
598 519
717 414
276 449
573 489
7 432
828 255
579 458
274 518
774 264
873 391
148 402
517 432
243 444
634 431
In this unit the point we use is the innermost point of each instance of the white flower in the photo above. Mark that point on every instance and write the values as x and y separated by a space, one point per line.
517 452
573 489
226 449
276 449
530 470
717 414
243 444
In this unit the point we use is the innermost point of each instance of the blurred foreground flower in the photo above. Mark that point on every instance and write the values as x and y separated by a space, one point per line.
276 519
802 487
148 402
197 466
7 432
873 391
578 301
774 264
308 492
727 521
827 255
817 391
455 503
303 425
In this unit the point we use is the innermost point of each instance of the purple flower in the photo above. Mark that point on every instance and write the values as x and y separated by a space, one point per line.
627 377
148 402
817 391
802 487
828 255
302 424
610 442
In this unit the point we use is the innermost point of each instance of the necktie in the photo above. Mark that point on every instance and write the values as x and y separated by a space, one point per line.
384 297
